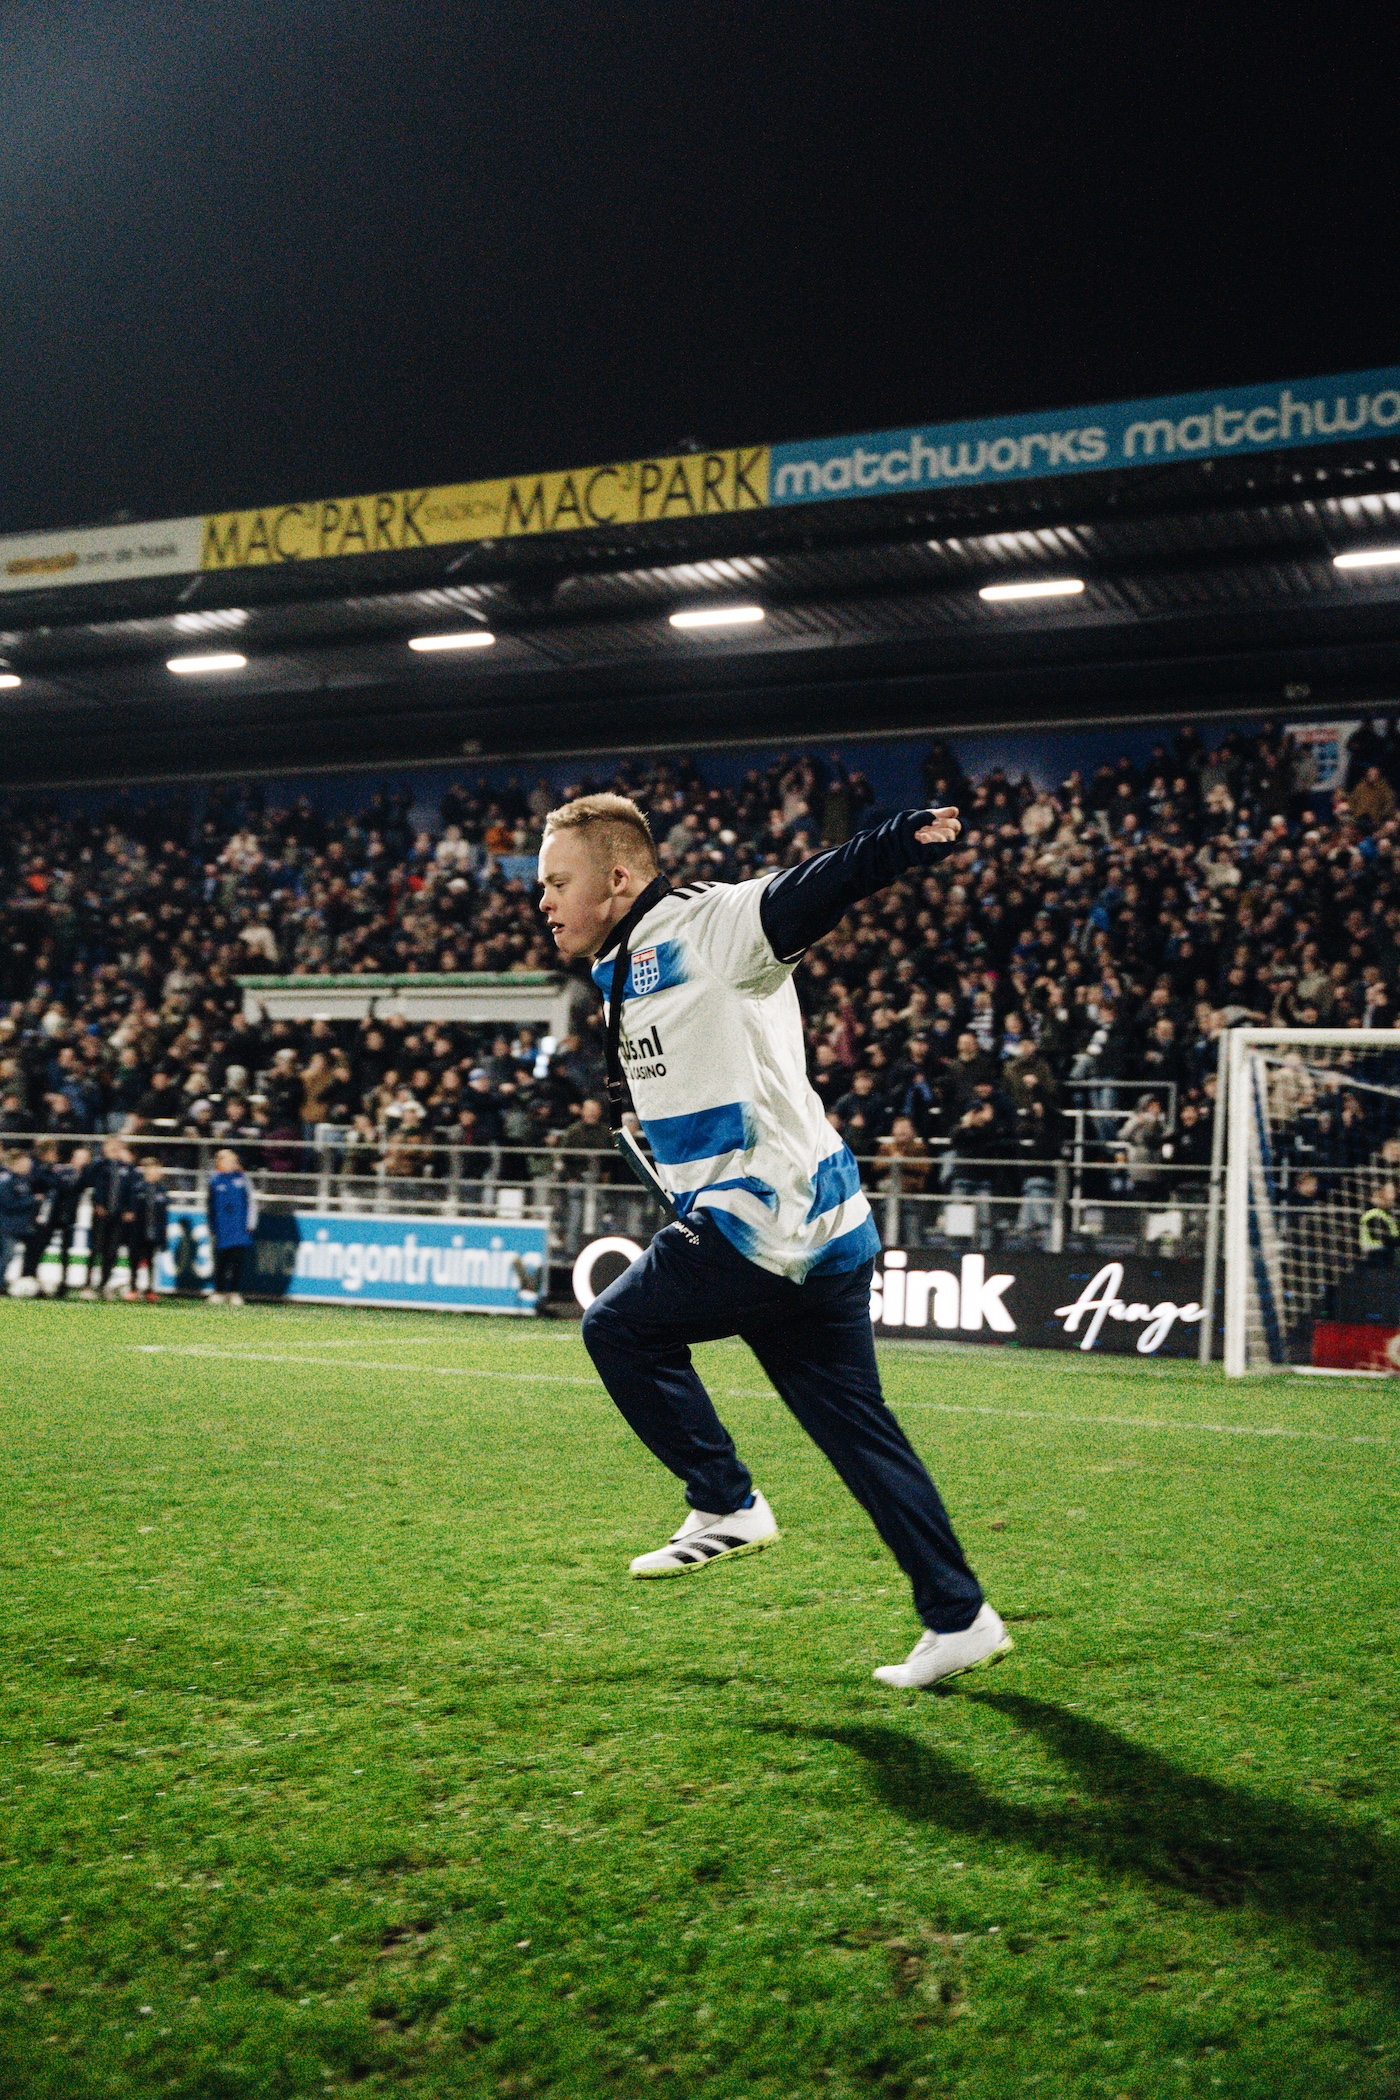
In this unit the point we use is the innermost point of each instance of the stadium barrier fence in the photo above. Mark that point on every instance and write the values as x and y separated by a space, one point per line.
1092 1200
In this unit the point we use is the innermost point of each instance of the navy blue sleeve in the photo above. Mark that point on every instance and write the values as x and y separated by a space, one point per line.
805 902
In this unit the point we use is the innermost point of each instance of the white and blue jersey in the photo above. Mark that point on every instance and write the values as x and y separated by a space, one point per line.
713 1051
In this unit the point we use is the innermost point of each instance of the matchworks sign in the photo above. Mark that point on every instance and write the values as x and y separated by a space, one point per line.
1111 436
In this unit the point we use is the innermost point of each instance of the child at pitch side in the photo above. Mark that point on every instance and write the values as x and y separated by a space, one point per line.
233 1217
772 1238
148 1226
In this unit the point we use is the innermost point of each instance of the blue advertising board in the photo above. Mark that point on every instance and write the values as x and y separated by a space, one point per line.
1103 439
436 1264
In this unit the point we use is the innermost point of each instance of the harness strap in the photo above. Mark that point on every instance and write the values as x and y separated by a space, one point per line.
627 1146
622 963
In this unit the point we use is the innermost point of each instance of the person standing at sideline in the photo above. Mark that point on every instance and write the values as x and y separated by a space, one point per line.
21 1193
233 1216
59 1216
109 1185
148 1225
772 1238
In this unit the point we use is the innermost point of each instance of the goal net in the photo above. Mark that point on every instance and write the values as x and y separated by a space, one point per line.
1312 1268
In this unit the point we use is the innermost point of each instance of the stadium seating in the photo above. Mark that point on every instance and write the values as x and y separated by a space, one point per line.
1081 948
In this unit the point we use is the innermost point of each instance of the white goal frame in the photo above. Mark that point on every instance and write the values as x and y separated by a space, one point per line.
1234 1111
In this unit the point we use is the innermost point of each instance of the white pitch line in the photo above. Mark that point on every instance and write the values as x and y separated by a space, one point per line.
1332 1371
359 1363
939 1407
401 1341
1031 1414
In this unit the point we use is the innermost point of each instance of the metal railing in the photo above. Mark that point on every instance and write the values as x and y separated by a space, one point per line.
942 1199
1055 1206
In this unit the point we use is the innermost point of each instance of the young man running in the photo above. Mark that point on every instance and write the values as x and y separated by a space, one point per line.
773 1239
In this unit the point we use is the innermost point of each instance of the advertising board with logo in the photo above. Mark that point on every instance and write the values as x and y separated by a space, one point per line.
1229 422
1130 1305
1039 1301
436 1265
36 561
1109 436
635 492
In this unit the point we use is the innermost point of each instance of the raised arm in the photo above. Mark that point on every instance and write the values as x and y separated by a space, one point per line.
805 902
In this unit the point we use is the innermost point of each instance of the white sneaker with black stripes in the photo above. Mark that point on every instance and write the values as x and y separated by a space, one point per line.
706 1537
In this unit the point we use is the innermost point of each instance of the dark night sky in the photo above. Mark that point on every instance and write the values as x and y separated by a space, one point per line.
321 246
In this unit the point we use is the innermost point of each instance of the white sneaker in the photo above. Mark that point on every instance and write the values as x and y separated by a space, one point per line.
235 1298
215 1298
705 1538
939 1655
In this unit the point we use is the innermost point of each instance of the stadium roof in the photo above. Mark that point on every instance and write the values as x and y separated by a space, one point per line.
1209 586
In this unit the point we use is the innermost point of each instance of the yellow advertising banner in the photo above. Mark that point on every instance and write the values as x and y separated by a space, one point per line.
641 492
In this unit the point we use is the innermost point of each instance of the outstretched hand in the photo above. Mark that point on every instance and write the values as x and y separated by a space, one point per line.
941 829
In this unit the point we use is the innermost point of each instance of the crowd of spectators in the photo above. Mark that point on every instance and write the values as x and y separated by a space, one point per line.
1082 945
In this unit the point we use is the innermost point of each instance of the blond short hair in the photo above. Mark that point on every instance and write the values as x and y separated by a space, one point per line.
613 825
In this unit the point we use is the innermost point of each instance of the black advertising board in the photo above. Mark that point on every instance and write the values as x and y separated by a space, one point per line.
1125 1305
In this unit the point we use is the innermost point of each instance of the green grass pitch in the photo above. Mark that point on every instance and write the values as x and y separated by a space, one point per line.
340 1753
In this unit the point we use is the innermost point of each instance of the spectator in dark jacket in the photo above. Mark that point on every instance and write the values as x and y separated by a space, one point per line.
830 1078
286 1093
971 1067
1160 1057
484 1106
589 1136
159 1105
64 1187
984 1133
148 1225
1189 1153
21 1192
860 1115
109 1184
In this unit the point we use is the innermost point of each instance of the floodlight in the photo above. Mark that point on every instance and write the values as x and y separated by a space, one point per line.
1367 558
473 638
1046 587
194 666
718 616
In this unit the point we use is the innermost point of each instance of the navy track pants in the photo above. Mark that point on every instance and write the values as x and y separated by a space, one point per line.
814 1340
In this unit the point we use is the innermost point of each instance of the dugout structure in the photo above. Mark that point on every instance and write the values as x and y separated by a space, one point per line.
1311 1128
541 999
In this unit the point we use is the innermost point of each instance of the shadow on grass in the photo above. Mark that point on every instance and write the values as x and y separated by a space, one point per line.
1144 1817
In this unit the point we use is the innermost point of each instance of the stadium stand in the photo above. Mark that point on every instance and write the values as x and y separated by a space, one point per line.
1062 977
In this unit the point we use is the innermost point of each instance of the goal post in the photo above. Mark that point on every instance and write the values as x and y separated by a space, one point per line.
1312 1160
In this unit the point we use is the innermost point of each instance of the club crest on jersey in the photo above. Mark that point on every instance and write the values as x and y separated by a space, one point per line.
646 970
